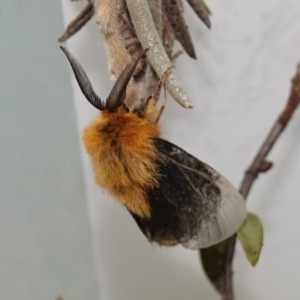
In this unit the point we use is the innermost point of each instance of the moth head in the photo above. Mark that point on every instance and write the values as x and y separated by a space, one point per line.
117 95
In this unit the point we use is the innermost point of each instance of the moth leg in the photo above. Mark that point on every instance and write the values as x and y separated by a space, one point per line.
175 55
148 111
162 81
84 16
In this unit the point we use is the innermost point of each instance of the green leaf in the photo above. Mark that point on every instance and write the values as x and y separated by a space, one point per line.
214 258
213 262
251 237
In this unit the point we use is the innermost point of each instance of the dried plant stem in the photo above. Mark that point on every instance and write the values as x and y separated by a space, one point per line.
84 16
202 10
258 166
149 38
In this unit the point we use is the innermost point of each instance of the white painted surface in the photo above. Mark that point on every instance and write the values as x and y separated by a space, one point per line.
239 84
45 238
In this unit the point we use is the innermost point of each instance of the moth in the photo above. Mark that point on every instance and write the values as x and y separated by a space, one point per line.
173 197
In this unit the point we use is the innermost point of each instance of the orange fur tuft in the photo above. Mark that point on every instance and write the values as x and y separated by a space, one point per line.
123 156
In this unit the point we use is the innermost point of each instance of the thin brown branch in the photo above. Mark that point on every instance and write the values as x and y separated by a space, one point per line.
202 10
260 164
181 31
84 16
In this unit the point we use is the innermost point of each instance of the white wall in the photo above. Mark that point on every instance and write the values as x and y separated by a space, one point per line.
45 239
239 84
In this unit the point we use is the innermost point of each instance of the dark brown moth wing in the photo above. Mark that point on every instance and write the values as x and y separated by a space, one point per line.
193 205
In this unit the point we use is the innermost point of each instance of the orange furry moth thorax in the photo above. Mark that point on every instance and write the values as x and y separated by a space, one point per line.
119 129
123 155
173 197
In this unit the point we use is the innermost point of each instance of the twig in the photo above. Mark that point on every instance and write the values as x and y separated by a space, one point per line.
260 165
149 38
202 10
181 31
84 16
